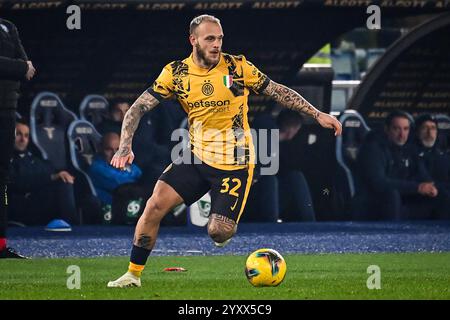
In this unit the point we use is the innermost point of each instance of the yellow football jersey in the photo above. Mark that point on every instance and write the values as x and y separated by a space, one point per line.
216 103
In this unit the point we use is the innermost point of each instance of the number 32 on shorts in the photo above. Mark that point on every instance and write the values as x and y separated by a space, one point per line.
235 185
233 190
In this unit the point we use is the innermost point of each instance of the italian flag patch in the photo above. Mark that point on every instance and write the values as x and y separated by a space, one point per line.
228 81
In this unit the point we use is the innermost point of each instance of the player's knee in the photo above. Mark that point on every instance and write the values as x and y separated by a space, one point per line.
154 208
220 228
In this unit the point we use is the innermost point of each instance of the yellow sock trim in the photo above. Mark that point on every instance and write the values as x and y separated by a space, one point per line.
135 269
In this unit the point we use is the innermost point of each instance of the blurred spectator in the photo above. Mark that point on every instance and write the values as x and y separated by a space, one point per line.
105 177
117 110
110 183
38 192
437 161
394 180
295 197
345 45
152 148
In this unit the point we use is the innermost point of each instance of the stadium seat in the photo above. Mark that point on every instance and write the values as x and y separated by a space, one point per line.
354 130
49 120
84 141
412 130
94 108
444 132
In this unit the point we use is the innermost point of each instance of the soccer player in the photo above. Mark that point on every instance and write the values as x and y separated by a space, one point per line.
213 88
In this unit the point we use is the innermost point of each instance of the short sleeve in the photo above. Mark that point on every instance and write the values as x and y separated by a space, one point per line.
253 78
162 88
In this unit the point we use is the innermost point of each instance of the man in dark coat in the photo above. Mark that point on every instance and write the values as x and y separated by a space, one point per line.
14 67
393 176
38 192
436 161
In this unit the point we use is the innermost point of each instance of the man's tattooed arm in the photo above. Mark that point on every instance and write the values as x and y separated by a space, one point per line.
290 99
143 104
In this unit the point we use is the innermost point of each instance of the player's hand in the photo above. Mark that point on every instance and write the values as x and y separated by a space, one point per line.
31 71
328 121
122 158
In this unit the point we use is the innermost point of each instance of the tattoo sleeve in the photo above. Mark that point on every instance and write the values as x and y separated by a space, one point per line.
143 104
290 99
221 228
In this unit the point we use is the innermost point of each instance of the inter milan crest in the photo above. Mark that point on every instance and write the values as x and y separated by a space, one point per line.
207 89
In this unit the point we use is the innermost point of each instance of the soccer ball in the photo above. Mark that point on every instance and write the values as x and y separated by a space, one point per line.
265 268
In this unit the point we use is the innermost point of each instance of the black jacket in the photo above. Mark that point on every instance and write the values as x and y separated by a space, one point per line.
437 163
13 65
29 173
384 166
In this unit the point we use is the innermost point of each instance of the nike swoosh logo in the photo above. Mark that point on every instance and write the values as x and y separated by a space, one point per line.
234 206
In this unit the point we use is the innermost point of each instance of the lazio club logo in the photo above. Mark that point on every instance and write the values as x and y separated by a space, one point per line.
207 88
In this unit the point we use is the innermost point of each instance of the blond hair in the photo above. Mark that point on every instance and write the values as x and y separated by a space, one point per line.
199 19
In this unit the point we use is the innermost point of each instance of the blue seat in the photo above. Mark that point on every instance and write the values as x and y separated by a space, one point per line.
84 141
95 109
354 130
444 132
49 120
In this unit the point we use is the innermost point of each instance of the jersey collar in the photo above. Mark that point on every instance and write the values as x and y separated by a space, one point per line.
200 70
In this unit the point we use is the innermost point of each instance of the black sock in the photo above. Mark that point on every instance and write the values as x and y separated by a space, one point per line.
139 255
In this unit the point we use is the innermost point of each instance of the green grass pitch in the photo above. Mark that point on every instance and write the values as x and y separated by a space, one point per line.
327 276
